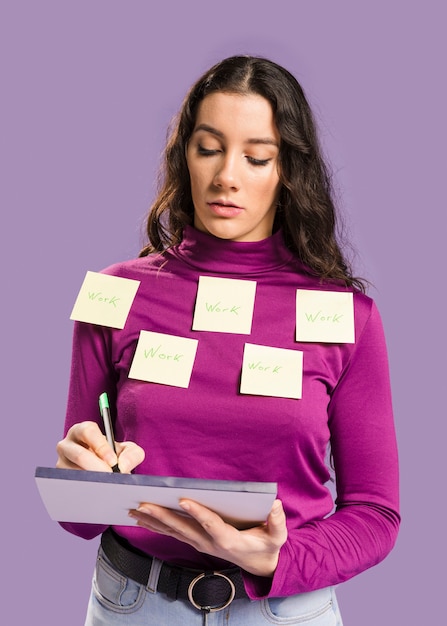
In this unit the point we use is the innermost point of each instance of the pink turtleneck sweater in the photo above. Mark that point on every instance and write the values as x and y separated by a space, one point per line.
210 430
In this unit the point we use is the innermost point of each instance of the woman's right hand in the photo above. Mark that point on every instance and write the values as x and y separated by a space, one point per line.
85 447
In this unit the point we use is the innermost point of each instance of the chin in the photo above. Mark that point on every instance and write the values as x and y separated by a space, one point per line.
221 231
231 231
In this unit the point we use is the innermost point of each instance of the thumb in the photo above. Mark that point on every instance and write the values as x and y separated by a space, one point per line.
276 523
129 456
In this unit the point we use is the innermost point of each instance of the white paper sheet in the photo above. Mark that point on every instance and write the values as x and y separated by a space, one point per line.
106 498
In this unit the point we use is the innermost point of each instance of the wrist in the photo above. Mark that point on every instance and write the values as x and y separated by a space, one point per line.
266 569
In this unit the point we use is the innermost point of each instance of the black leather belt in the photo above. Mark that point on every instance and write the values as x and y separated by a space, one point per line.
207 591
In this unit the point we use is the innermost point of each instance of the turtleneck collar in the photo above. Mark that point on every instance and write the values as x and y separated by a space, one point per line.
206 252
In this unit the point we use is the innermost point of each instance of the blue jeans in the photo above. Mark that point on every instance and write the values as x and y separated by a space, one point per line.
116 601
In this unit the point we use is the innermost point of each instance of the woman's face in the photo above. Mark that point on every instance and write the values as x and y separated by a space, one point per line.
232 158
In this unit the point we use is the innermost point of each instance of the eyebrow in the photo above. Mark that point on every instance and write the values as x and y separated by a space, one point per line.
255 140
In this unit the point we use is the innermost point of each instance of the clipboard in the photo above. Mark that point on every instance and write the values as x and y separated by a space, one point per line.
106 498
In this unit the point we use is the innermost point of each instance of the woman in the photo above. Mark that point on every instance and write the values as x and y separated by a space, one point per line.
246 197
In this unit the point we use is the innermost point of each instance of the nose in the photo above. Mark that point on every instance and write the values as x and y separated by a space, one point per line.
227 174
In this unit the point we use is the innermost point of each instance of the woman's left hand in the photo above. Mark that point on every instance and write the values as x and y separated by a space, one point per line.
256 550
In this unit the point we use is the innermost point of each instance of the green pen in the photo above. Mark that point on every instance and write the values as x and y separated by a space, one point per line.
107 420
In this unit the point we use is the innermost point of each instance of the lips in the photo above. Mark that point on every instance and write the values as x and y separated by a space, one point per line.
224 209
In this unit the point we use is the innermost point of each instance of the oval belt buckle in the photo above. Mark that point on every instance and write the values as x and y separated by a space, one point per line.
209 608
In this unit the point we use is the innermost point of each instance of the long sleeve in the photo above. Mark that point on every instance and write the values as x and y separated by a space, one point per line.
91 374
363 529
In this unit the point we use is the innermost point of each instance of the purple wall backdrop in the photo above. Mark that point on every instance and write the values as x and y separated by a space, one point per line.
88 89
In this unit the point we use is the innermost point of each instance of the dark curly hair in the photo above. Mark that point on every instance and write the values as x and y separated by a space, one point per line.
306 211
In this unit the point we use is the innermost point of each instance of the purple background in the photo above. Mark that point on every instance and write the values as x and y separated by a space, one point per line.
88 89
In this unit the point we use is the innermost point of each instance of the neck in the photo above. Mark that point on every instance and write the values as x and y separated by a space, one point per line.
206 252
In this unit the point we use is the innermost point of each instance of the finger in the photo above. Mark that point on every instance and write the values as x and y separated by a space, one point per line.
129 456
167 522
148 521
276 524
83 442
177 521
211 522
75 456
165 516
89 434
63 463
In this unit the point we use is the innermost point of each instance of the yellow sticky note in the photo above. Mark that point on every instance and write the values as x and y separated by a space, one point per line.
268 371
224 305
164 359
325 316
104 300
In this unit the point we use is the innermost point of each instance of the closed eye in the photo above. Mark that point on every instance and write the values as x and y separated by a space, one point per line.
258 162
205 152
